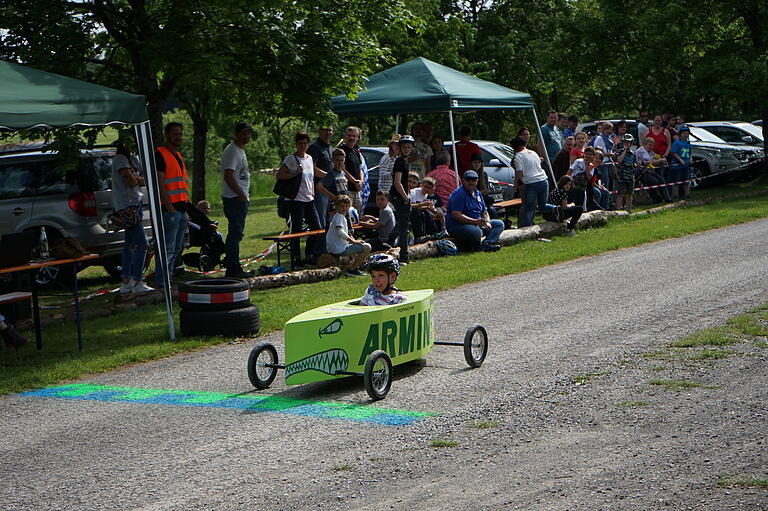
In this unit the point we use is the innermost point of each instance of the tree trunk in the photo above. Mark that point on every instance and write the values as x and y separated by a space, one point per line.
199 147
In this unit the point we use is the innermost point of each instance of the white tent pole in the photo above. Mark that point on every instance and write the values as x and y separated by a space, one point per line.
544 146
146 153
397 123
453 147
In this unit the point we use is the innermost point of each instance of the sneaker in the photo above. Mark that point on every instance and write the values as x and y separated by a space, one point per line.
490 247
127 287
12 338
354 273
422 239
141 287
237 274
440 235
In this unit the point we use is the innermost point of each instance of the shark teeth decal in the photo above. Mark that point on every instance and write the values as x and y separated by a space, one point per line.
328 362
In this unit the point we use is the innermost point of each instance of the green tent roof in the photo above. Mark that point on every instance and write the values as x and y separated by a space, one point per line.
420 86
33 98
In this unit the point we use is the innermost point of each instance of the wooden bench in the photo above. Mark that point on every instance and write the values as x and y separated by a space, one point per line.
508 205
283 241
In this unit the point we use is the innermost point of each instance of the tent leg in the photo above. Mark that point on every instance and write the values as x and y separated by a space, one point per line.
453 147
144 139
397 123
544 147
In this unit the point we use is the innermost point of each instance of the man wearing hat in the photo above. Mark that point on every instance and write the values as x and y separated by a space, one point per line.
468 219
235 194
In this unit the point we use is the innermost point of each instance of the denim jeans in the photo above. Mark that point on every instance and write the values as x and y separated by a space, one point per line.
535 194
134 253
403 217
604 173
468 236
321 208
236 212
174 228
298 212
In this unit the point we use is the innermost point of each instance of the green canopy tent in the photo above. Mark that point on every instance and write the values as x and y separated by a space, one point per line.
423 86
30 98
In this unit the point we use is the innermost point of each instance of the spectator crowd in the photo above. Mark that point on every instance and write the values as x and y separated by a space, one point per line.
420 194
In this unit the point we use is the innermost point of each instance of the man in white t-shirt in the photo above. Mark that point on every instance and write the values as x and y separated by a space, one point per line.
235 185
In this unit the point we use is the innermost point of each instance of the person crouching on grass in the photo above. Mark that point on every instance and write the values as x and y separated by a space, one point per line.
340 243
384 270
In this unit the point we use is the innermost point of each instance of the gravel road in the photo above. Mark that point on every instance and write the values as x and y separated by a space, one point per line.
526 435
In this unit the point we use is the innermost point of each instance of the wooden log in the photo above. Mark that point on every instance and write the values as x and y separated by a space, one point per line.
514 236
294 277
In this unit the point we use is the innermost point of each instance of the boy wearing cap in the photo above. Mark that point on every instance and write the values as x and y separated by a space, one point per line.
235 186
680 156
625 174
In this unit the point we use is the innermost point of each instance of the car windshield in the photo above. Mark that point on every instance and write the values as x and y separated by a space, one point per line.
702 135
504 149
755 131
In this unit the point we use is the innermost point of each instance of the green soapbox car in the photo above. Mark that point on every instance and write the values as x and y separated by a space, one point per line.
347 339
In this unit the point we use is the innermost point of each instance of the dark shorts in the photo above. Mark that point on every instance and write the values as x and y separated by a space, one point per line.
625 187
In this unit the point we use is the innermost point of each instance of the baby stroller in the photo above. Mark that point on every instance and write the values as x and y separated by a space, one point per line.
203 234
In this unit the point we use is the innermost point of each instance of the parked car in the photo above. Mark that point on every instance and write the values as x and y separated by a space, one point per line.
373 155
36 191
709 153
736 133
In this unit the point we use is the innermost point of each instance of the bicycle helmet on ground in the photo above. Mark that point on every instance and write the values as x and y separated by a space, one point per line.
446 247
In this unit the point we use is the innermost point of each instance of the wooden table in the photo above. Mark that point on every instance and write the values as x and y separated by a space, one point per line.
36 265
508 205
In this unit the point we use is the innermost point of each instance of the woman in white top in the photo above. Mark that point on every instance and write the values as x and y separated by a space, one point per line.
534 185
127 181
300 166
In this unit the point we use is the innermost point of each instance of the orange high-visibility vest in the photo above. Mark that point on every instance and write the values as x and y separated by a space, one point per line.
176 181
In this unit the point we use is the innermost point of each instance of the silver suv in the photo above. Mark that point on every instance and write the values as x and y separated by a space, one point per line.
35 191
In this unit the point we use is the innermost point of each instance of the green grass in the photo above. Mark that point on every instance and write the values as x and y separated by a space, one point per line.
138 335
631 404
711 354
439 443
743 481
721 335
674 384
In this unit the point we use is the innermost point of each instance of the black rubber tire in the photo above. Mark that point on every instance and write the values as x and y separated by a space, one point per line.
377 385
264 380
475 359
231 323
212 286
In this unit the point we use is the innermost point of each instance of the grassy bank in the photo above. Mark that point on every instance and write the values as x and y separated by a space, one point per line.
138 335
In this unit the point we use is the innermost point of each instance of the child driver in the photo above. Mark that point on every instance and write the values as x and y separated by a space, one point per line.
384 270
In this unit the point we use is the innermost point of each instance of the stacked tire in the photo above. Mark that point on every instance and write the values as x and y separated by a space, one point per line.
217 307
